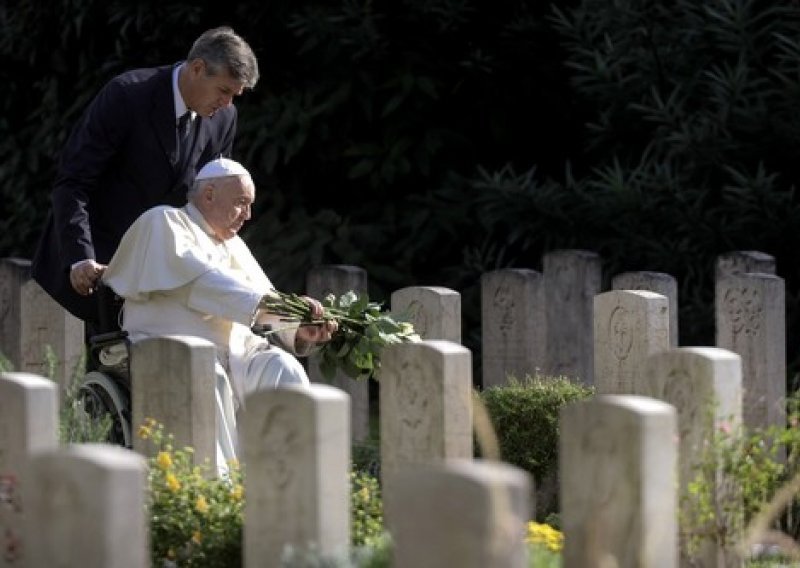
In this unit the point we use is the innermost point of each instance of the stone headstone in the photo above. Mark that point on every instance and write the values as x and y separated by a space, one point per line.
742 261
629 325
464 513
434 311
425 407
14 272
296 450
704 384
751 321
31 321
28 425
618 470
85 508
173 382
658 282
339 279
512 323
572 278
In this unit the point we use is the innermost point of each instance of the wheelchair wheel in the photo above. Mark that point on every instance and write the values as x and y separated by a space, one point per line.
100 394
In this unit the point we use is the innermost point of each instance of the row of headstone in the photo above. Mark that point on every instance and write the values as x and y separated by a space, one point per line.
631 325
442 508
531 321
640 448
296 453
559 322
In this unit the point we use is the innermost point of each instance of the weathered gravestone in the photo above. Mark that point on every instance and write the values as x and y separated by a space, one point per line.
296 454
28 425
31 321
173 382
435 312
513 325
629 325
618 471
704 384
751 321
742 261
339 279
572 278
470 514
426 407
657 282
85 508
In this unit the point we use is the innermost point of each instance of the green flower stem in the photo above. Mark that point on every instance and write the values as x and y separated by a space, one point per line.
363 330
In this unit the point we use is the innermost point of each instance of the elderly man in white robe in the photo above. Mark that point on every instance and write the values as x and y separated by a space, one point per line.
187 272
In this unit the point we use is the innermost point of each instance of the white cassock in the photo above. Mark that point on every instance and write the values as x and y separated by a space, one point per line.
177 279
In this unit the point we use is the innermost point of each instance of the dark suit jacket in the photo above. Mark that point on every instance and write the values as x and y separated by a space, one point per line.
120 160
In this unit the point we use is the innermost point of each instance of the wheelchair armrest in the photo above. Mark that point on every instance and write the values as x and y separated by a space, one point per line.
110 337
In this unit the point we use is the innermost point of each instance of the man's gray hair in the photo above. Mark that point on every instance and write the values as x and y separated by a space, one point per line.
223 50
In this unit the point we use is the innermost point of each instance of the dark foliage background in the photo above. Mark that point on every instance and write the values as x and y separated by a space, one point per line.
429 141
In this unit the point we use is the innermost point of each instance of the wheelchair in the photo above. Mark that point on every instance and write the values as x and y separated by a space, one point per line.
106 388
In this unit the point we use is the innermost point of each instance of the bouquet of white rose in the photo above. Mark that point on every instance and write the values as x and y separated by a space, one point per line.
364 330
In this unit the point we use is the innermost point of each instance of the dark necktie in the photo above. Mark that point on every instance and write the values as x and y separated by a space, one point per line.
184 137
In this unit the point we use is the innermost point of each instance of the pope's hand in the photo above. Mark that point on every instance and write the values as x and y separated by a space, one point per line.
84 276
319 333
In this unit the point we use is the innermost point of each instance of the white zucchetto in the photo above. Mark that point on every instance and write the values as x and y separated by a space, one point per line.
221 167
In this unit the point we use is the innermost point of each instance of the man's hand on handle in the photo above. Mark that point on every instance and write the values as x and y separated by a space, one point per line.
84 276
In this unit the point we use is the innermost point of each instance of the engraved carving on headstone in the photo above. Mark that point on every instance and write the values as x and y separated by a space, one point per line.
413 398
504 306
32 359
681 393
417 315
279 443
620 330
744 307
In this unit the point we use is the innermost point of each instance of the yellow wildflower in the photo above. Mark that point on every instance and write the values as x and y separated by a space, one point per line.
164 460
170 554
545 535
145 432
237 492
197 537
172 482
201 505
364 493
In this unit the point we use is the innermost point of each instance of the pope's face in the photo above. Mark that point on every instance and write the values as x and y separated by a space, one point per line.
206 93
226 204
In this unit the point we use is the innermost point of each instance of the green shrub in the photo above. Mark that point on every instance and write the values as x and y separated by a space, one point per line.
744 485
366 509
525 416
195 518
